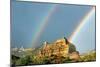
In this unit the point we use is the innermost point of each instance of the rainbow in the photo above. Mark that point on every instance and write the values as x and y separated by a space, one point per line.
43 24
81 24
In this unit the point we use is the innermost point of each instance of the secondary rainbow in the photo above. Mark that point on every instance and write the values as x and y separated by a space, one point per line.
43 24
82 23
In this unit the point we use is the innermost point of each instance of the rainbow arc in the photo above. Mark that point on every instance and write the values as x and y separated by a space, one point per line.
81 24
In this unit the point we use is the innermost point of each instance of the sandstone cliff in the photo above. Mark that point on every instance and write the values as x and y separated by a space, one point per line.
59 48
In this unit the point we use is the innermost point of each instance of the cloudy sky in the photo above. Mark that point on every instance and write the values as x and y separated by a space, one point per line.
41 22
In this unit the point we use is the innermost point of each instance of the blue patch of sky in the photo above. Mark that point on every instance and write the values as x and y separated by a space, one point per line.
26 17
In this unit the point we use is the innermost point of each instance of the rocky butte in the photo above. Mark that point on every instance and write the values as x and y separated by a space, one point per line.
59 48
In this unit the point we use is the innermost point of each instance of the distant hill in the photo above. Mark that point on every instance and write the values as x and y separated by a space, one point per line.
89 56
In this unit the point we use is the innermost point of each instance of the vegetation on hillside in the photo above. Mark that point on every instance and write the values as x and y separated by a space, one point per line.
53 59
58 52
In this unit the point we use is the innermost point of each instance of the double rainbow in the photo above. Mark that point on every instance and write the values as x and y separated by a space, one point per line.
47 18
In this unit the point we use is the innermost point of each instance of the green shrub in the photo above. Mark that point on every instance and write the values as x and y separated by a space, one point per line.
23 61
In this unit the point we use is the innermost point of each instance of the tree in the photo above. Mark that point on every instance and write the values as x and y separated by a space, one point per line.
23 61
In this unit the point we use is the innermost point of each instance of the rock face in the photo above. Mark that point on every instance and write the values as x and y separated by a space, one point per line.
74 56
60 48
